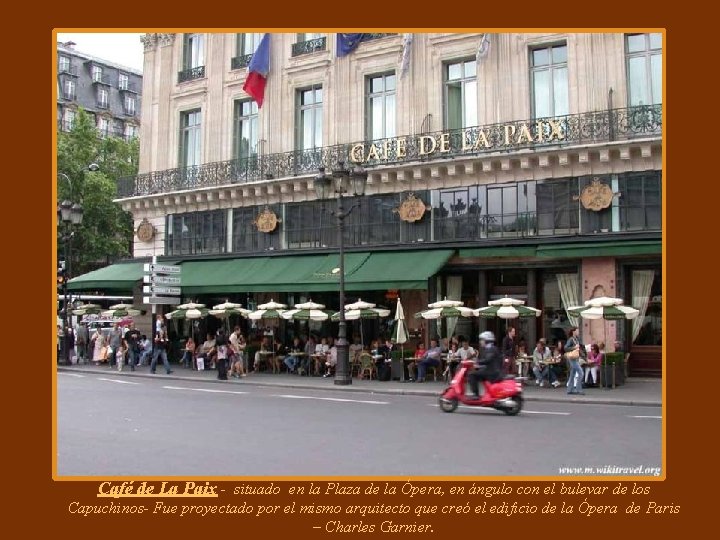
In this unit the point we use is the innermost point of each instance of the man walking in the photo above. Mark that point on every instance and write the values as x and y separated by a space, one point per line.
132 338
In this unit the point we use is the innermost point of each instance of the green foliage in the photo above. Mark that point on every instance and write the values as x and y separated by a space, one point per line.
106 231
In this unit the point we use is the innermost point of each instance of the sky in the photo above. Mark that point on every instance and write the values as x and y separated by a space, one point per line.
121 48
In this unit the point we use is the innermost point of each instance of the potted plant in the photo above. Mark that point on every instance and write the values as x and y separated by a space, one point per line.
613 369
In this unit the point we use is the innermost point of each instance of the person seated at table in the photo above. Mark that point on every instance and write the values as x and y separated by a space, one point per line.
542 360
431 358
188 358
262 356
293 358
207 351
278 356
330 361
307 360
412 366
465 352
320 355
354 350
594 360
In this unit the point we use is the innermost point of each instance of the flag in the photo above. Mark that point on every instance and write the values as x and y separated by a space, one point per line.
484 47
347 43
405 58
258 70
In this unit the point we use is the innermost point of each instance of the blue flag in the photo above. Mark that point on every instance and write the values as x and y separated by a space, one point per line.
347 43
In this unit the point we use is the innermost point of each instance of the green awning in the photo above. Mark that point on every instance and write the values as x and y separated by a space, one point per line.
503 251
615 248
398 270
116 277
312 273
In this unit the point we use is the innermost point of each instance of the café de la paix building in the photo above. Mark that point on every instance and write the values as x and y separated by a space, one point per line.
532 169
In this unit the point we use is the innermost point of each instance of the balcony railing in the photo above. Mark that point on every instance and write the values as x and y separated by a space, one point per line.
370 37
102 79
68 70
584 128
191 74
128 87
307 47
240 62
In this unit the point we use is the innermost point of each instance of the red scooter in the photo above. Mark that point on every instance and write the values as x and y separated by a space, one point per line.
504 395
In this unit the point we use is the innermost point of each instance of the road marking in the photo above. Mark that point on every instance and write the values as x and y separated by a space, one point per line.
659 417
203 390
72 375
117 381
288 396
491 409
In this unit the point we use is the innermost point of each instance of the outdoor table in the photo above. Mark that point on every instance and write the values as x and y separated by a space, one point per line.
521 362
322 358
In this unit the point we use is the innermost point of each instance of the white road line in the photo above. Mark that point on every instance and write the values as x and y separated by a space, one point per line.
72 375
117 381
660 417
203 390
491 409
288 396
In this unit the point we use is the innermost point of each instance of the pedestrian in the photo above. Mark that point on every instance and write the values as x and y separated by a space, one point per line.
160 350
221 344
98 345
574 351
509 352
188 358
146 348
114 341
238 346
82 339
132 340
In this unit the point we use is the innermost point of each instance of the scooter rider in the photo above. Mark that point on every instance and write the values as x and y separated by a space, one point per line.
488 365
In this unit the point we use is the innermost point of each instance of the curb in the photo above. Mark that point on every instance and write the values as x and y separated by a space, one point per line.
388 391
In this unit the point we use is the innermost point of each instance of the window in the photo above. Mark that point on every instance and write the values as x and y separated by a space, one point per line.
549 79
123 81
63 64
308 43
103 126
640 201
131 131
130 105
197 232
97 74
644 69
460 94
380 103
69 89
102 96
194 51
247 43
309 118
308 36
68 119
557 211
190 142
308 225
245 131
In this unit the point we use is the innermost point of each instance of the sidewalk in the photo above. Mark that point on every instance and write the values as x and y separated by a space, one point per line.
635 391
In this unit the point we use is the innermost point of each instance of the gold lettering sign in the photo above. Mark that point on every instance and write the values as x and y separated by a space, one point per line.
411 209
424 138
596 195
509 132
266 221
445 142
524 134
400 147
357 154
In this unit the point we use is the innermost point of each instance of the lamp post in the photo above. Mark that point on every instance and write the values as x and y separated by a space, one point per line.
70 215
345 182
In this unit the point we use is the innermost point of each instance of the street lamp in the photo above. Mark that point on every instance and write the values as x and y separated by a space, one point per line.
342 183
70 215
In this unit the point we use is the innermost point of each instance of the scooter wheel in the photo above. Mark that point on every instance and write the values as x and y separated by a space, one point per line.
448 404
515 409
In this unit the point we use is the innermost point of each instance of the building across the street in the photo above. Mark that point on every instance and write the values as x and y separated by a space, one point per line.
527 165
109 92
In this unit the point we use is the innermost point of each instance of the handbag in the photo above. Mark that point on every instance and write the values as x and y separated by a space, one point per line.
573 355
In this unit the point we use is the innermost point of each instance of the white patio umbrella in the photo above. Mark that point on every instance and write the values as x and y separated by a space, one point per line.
226 310
445 309
361 310
127 310
307 311
400 335
268 311
507 308
87 309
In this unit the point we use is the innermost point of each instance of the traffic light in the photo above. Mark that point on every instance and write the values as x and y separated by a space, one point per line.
61 275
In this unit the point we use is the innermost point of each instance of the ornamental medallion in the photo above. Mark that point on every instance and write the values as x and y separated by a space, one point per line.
596 195
145 231
266 221
411 209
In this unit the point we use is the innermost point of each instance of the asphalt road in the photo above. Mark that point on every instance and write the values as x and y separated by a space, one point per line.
113 426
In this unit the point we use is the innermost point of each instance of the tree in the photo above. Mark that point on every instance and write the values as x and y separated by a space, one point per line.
106 232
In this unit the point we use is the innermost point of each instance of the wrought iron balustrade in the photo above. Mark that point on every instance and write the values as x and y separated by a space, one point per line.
191 74
310 46
584 128
371 36
128 87
239 62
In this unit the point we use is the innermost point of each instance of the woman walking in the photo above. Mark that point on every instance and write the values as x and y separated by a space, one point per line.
99 350
221 342
573 352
